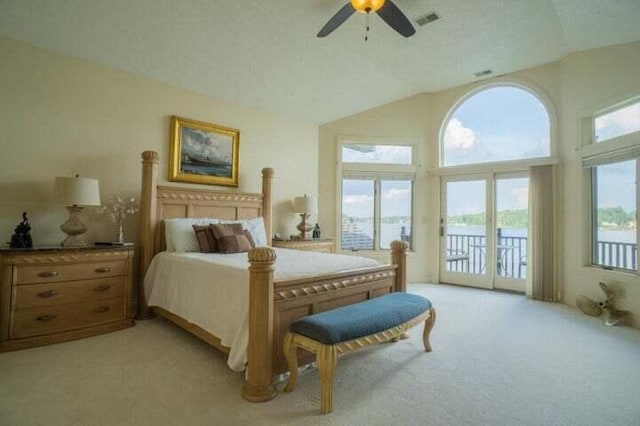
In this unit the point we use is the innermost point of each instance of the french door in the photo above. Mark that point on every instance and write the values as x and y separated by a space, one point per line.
484 231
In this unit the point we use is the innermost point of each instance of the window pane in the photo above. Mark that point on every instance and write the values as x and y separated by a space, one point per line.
497 124
466 230
357 214
614 234
512 224
381 154
617 123
395 212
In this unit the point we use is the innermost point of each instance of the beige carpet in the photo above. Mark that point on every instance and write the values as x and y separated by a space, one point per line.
498 359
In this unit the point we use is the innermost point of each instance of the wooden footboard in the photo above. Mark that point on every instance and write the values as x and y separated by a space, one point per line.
274 306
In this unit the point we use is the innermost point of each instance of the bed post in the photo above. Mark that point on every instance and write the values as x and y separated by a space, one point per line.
267 177
259 385
399 258
148 217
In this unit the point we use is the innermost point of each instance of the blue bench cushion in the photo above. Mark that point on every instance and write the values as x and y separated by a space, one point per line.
361 319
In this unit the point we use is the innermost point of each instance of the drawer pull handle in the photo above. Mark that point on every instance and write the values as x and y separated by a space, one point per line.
45 318
103 270
101 309
103 287
48 274
48 293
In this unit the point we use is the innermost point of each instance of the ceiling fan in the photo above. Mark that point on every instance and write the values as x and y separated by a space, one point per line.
386 9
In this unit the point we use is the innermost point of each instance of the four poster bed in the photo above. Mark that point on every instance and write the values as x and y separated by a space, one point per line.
272 306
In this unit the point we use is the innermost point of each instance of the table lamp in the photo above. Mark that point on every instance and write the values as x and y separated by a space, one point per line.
75 193
305 206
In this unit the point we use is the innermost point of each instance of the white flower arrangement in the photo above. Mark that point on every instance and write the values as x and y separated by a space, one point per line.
118 210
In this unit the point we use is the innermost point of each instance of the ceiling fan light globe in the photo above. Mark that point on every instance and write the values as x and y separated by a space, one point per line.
367 6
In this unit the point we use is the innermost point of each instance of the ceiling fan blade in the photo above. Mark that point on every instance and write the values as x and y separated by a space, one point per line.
337 20
393 16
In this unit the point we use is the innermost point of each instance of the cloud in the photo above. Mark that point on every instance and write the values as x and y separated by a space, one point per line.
456 136
357 199
365 153
620 122
521 196
396 194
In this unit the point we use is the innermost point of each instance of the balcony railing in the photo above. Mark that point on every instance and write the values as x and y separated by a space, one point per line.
617 255
468 253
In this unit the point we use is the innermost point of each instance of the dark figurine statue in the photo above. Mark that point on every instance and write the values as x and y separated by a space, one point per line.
22 237
316 232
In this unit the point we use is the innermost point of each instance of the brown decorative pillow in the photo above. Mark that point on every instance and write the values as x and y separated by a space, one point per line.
206 240
232 238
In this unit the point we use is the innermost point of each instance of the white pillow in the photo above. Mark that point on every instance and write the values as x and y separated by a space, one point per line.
255 227
179 234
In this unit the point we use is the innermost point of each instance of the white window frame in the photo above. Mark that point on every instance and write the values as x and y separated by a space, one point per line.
376 172
610 151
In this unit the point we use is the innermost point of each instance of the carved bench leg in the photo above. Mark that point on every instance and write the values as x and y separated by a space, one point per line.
326 358
290 350
428 325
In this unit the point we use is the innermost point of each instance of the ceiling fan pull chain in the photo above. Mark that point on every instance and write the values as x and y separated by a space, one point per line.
366 31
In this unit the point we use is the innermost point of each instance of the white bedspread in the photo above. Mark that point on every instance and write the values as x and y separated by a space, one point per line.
211 290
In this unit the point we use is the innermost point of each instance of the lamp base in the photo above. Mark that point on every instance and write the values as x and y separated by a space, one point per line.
305 227
74 228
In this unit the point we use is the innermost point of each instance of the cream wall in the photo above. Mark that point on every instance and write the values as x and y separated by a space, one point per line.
578 83
60 116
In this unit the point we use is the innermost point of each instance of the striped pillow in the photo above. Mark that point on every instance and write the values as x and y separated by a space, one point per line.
232 238
206 240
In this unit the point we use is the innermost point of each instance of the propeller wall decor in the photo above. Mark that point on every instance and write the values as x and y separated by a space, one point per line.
612 316
386 9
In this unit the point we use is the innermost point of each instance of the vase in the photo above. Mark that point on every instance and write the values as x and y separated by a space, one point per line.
120 235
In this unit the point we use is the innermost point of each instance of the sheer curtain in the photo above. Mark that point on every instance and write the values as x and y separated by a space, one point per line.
541 285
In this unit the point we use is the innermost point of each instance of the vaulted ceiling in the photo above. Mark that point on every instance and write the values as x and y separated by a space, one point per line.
265 54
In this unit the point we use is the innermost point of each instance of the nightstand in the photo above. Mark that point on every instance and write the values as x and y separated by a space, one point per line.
53 294
325 246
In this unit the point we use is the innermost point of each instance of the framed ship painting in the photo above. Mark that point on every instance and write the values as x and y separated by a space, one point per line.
203 153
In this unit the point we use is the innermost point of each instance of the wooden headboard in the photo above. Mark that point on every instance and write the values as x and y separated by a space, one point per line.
164 202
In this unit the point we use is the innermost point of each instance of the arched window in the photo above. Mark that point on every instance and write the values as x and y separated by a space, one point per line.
501 123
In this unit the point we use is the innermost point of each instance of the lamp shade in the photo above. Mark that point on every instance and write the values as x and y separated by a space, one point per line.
305 204
77 191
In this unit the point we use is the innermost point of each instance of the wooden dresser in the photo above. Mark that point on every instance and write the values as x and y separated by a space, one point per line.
325 246
51 295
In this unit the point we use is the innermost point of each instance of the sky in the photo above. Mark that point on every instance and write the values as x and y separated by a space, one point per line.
358 199
620 122
497 124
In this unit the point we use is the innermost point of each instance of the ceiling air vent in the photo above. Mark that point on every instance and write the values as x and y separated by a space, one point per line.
425 19
483 73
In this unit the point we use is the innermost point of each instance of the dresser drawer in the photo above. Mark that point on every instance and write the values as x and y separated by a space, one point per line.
64 293
44 273
45 320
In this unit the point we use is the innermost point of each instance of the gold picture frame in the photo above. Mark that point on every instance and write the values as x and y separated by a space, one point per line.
203 153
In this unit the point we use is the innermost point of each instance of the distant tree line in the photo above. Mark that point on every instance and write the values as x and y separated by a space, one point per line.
612 217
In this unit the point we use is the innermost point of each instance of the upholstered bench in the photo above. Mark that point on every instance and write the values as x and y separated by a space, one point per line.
352 327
